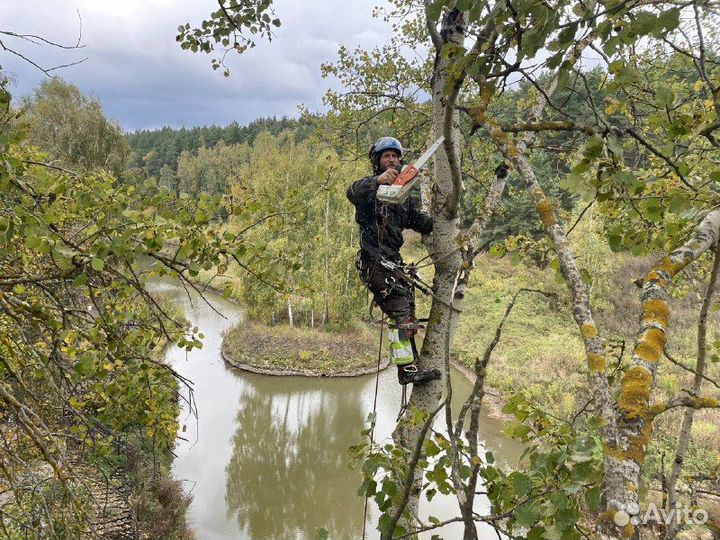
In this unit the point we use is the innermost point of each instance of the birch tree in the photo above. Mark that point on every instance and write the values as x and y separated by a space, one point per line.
648 151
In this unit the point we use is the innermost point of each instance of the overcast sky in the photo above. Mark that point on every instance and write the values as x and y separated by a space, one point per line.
145 80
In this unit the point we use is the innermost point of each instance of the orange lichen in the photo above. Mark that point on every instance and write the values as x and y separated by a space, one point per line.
653 276
545 209
696 402
650 345
635 393
628 530
703 402
656 311
588 330
478 113
636 446
671 267
608 515
596 362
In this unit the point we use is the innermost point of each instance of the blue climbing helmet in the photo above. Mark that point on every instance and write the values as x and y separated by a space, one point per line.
383 144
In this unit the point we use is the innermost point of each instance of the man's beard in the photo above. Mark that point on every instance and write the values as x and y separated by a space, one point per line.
397 167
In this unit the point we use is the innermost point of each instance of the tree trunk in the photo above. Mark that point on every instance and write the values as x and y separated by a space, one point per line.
447 258
290 312
326 261
623 463
687 422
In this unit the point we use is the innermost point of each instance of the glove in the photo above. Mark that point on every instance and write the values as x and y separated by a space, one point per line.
501 171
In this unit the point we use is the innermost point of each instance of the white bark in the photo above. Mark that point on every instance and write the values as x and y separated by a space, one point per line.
687 422
623 462
326 262
442 241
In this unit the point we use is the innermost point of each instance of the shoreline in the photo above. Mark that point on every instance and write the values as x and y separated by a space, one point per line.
493 400
287 372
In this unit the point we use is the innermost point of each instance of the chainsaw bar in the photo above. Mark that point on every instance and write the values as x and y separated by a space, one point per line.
398 191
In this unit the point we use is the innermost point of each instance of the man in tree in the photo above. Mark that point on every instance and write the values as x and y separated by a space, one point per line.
381 228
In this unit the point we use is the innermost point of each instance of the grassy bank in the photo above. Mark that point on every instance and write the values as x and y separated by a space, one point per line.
283 350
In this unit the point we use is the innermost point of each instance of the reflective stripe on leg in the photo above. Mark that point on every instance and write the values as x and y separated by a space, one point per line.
401 352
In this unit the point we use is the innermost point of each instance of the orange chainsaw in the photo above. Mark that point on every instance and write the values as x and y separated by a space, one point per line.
398 191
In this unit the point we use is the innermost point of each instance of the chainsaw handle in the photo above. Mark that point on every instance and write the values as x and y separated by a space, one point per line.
407 174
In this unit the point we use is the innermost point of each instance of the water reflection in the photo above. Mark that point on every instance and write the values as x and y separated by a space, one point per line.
288 475
268 457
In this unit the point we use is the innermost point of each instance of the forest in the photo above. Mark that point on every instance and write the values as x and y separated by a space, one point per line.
576 295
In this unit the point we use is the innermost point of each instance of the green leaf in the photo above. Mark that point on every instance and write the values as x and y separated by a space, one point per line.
322 534
644 23
526 515
536 533
562 80
431 449
678 202
552 533
652 210
669 20
521 483
97 264
594 146
227 291
434 9
4 100
664 96
497 250
615 146
592 498
567 35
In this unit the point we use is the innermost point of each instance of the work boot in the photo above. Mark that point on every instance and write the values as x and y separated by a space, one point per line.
410 373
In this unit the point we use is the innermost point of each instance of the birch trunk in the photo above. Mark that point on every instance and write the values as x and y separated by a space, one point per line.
687 422
326 308
443 241
635 415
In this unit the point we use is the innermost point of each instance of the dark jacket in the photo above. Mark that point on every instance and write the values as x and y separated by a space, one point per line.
381 225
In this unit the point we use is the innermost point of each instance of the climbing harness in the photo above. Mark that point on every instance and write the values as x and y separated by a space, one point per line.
408 273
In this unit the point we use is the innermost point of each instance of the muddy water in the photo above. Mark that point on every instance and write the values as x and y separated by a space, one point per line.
267 456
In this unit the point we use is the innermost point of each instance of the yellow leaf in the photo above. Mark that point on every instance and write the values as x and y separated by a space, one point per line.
612 107
698 85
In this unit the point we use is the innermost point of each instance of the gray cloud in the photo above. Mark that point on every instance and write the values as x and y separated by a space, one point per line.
145 80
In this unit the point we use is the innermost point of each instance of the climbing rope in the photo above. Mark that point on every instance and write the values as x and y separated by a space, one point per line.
374 410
